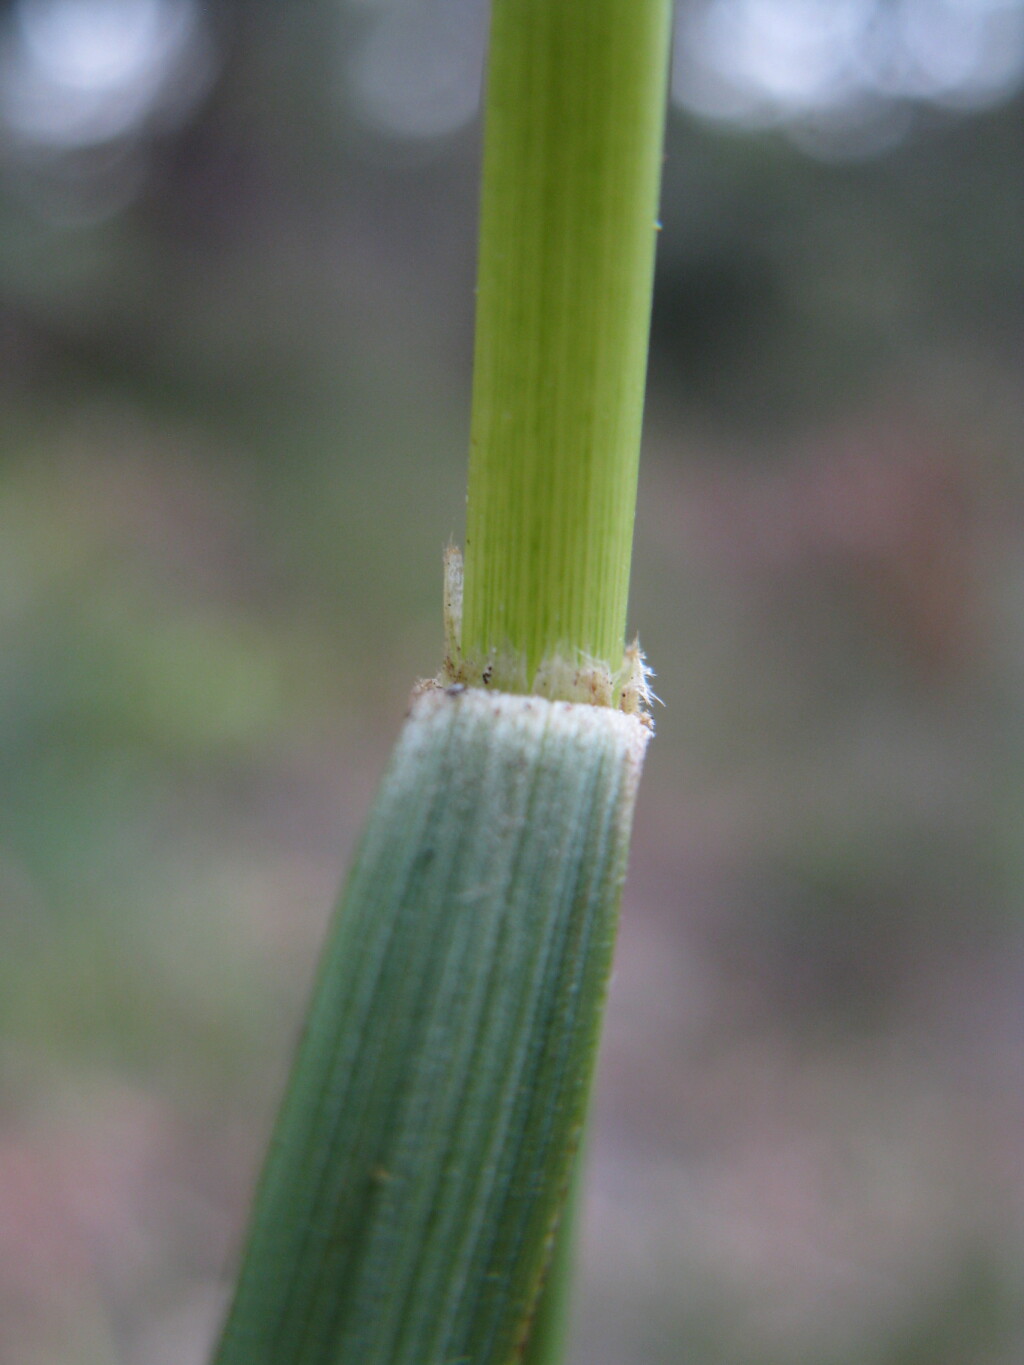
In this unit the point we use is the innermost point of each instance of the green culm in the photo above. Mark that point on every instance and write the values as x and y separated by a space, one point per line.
410 1202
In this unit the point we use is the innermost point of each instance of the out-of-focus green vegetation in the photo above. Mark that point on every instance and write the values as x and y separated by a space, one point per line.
236 335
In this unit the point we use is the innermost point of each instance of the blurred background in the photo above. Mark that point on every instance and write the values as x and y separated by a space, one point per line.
236 289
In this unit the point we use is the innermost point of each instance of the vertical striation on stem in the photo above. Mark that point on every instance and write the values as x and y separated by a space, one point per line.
575 109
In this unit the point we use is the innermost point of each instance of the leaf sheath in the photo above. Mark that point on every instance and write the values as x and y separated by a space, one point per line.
424 1147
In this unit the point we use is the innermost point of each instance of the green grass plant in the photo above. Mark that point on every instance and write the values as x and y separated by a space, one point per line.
409 1208
572 161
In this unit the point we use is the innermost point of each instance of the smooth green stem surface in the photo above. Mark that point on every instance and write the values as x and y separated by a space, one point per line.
572 158
549 1332
424 1148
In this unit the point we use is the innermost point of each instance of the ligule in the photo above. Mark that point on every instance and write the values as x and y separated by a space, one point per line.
424 1148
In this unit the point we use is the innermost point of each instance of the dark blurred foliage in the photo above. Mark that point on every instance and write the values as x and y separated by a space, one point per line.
235 330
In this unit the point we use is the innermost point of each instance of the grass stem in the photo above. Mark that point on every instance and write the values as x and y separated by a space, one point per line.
572 159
